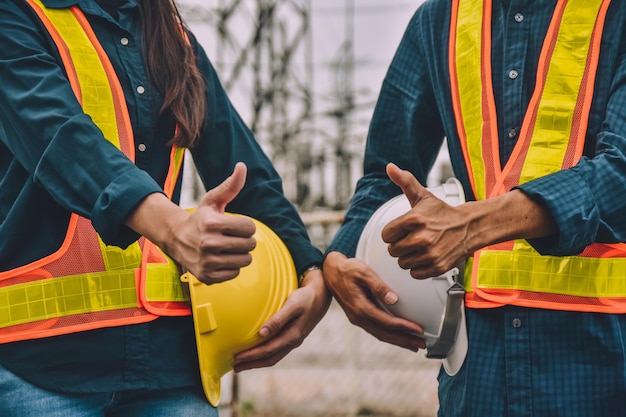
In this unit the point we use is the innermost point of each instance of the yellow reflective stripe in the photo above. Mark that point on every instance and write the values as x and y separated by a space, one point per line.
467 276
84 293
65 296
176 162
159 283
569 275
116 258
555 114
470 86
97 98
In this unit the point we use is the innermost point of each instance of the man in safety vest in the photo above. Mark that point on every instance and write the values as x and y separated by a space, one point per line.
98 102
531 97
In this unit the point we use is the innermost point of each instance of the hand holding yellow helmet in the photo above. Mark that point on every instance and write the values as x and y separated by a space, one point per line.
228 315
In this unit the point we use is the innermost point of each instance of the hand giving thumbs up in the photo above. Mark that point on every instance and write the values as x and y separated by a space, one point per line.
429 239
218 245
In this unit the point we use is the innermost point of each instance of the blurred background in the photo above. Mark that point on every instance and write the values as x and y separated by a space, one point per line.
305 75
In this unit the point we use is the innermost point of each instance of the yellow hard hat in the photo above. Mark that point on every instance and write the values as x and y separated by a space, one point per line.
228 315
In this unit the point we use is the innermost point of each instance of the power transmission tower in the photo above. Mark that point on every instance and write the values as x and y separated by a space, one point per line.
263 52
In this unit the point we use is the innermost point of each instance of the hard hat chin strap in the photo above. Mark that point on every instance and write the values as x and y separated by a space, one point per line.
451 318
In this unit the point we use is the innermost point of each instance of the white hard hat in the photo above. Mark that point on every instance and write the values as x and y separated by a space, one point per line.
435 303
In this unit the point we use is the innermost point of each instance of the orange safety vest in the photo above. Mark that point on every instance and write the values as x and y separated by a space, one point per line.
551 139
86 284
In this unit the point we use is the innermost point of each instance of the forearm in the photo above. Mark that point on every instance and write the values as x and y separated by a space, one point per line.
156 217
512 215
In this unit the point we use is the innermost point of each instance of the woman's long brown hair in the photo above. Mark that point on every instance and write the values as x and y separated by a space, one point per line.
171 66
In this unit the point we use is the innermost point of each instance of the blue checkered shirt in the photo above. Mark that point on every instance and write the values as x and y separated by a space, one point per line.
521 361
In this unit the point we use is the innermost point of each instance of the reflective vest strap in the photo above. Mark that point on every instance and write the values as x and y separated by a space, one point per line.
116 258
511 171
103 101
525 278
87 67
158 292
64 52
176 163
75 323
86 293
470 73
161 287
554 129
64 296
569 275
556 109
123 136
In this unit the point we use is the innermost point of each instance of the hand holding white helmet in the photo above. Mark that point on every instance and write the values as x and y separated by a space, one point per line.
435 303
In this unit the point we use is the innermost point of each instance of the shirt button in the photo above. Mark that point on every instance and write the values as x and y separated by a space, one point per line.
124 41
141 90
517 323
519 17
513 74
512 133
141 147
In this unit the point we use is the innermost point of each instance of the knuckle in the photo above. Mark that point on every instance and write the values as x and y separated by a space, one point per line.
208 244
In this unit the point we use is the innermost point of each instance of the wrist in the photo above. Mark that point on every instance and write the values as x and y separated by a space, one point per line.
306 272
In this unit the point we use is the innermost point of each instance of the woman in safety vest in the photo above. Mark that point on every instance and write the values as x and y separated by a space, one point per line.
531 98
99 100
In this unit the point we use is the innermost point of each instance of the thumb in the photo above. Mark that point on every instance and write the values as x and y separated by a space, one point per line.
410 186
224 193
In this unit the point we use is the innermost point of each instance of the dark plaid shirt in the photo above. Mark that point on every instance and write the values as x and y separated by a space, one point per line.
551 363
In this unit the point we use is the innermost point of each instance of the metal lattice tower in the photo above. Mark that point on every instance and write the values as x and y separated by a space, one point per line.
263 53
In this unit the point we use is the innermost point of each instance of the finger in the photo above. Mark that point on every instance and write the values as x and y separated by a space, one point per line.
402 246
376 320
404 340
279 321
267 348
260 361
377 287
279 338
225 243
387 327
239 226
226 261
410 186
224 193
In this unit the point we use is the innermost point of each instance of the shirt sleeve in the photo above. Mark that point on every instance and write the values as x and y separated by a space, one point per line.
227 140
406 129
48 133
588 200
